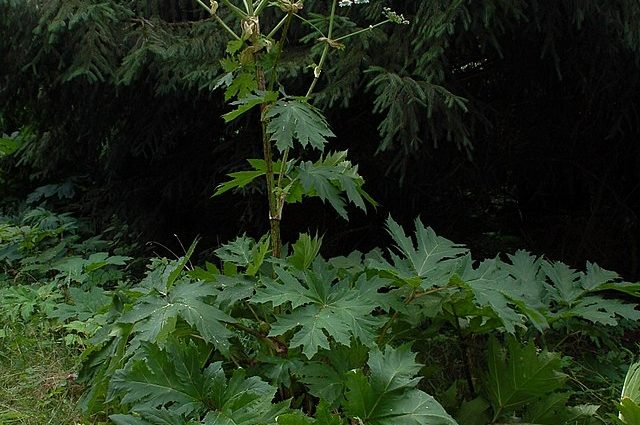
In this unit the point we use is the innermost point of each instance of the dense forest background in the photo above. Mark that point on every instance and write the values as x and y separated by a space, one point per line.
504 124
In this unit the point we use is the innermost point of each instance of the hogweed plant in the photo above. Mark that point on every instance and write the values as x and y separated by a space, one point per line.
287 121
260 336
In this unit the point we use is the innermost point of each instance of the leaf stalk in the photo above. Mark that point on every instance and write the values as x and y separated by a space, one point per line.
224 25
276 345
369 28
318 69
235 9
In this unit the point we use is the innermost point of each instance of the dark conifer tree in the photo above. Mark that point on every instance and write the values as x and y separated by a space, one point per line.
504 122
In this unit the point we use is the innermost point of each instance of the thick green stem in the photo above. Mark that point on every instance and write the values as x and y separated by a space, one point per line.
276 202
280 198
274 216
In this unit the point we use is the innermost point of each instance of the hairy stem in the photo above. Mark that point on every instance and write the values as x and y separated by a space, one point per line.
274 216
274 78
276 202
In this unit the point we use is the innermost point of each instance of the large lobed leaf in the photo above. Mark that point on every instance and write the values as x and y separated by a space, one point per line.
245 252
240 179
576 294
248 102
553 410
330 177
430 262
326 376
520 376
489 286
169 378
155 315
498 293
388 396
291 119
322 308
173 379
305 250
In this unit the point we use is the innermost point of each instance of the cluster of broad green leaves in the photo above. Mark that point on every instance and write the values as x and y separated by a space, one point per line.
51 270
252 339
45 244
332 178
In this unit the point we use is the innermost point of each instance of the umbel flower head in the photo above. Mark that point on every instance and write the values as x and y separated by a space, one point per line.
347 3
396 18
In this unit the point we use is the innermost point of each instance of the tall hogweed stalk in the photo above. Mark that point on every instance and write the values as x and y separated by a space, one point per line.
287 121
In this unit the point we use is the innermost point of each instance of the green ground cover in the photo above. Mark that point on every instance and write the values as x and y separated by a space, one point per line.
37 376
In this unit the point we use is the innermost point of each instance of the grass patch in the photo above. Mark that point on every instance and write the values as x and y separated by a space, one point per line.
37 376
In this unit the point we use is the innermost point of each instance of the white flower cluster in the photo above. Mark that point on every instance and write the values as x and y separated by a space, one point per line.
394 17
347 3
